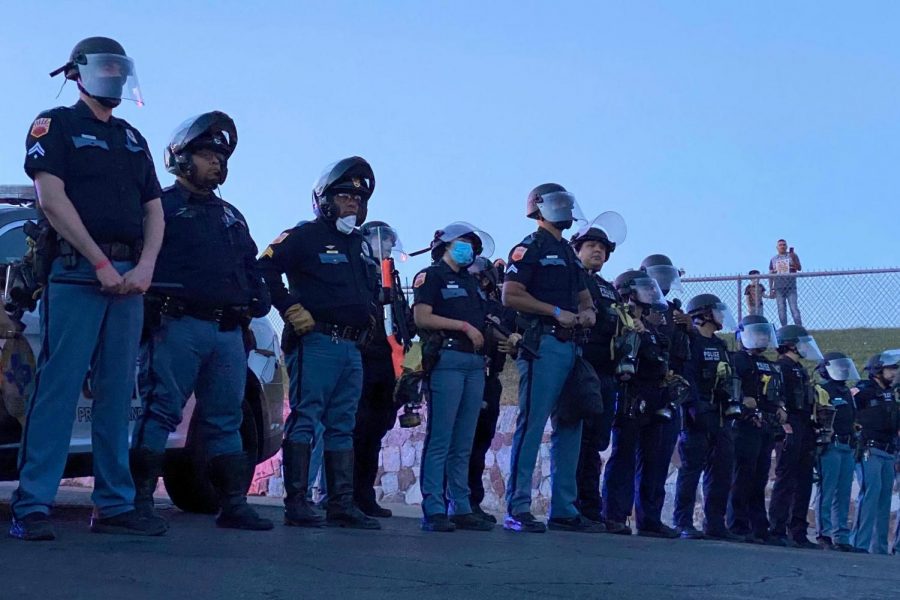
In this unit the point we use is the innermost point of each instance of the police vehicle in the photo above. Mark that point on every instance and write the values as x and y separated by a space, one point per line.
184 472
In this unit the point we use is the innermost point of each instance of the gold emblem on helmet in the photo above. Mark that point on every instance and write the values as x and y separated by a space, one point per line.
356 182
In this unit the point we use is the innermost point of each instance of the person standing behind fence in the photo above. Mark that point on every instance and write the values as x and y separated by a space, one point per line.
784 289
755 292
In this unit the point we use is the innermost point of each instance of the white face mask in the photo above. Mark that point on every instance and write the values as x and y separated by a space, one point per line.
346 224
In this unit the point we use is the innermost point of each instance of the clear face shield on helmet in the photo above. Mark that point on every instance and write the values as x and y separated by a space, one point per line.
647 291
558 207
109 76
668 277
724 317
808 348
842 369
758 336
385 242
458 229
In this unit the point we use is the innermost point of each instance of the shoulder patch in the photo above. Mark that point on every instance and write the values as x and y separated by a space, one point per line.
518 252
419 280
40 127
280 238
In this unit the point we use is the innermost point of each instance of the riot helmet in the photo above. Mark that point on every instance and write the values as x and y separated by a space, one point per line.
352 176
756 333
889 359
608 228
482 244
103 71
837 366
796 338
214 131
551 202
641 289
701 305
384 240
660 268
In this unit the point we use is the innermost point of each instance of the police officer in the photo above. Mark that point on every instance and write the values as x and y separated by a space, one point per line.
489 280
451 313
705 444
756 430
97 188
643 409
593 246
376 413
545 285
877 413
836 458
792 490
675 325
195 342
328 309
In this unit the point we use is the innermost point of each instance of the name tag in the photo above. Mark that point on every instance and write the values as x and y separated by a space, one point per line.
552 261
327 258
448 293
85 140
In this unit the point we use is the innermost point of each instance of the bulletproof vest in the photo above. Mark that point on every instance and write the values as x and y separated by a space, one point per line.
598 349
760 380
798 393
844 406
653 356
706 354
877 411
679 341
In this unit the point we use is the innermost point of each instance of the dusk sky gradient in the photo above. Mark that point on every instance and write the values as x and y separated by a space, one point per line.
713 127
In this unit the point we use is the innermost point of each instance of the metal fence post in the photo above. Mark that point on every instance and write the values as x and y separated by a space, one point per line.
740 305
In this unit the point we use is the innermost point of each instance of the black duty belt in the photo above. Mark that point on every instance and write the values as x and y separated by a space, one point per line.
336 331
459 344
228 317
114 251
842 438
120 252
888 447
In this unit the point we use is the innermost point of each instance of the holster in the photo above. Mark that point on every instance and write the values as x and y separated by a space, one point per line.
431 350
43 249
532 329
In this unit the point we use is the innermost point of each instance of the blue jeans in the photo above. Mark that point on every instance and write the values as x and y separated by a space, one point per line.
836 465
457 387
325 386
185 356
788 296
81 329
541 382
873 505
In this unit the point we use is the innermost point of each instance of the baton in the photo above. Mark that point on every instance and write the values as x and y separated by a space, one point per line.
76 280
493 321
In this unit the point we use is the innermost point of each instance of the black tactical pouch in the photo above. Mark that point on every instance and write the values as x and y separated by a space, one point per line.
431 350
531 336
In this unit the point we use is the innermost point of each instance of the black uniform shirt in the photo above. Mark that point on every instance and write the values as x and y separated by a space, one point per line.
451 294
844 406
597 350
106 167
330 273
796 387
207 248
549 270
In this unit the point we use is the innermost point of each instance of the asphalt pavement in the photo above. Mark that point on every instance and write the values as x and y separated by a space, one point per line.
195 560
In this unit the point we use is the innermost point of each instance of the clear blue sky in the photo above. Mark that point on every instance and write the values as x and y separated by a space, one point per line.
714 128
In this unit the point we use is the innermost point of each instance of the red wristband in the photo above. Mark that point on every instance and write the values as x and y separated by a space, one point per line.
102 264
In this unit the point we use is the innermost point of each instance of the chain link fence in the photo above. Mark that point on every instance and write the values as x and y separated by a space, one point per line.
826 300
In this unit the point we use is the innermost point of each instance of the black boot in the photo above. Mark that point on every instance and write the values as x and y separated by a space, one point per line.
227 472
146 467
341 511
297 510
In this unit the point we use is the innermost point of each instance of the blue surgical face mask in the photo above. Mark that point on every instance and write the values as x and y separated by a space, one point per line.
462 253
